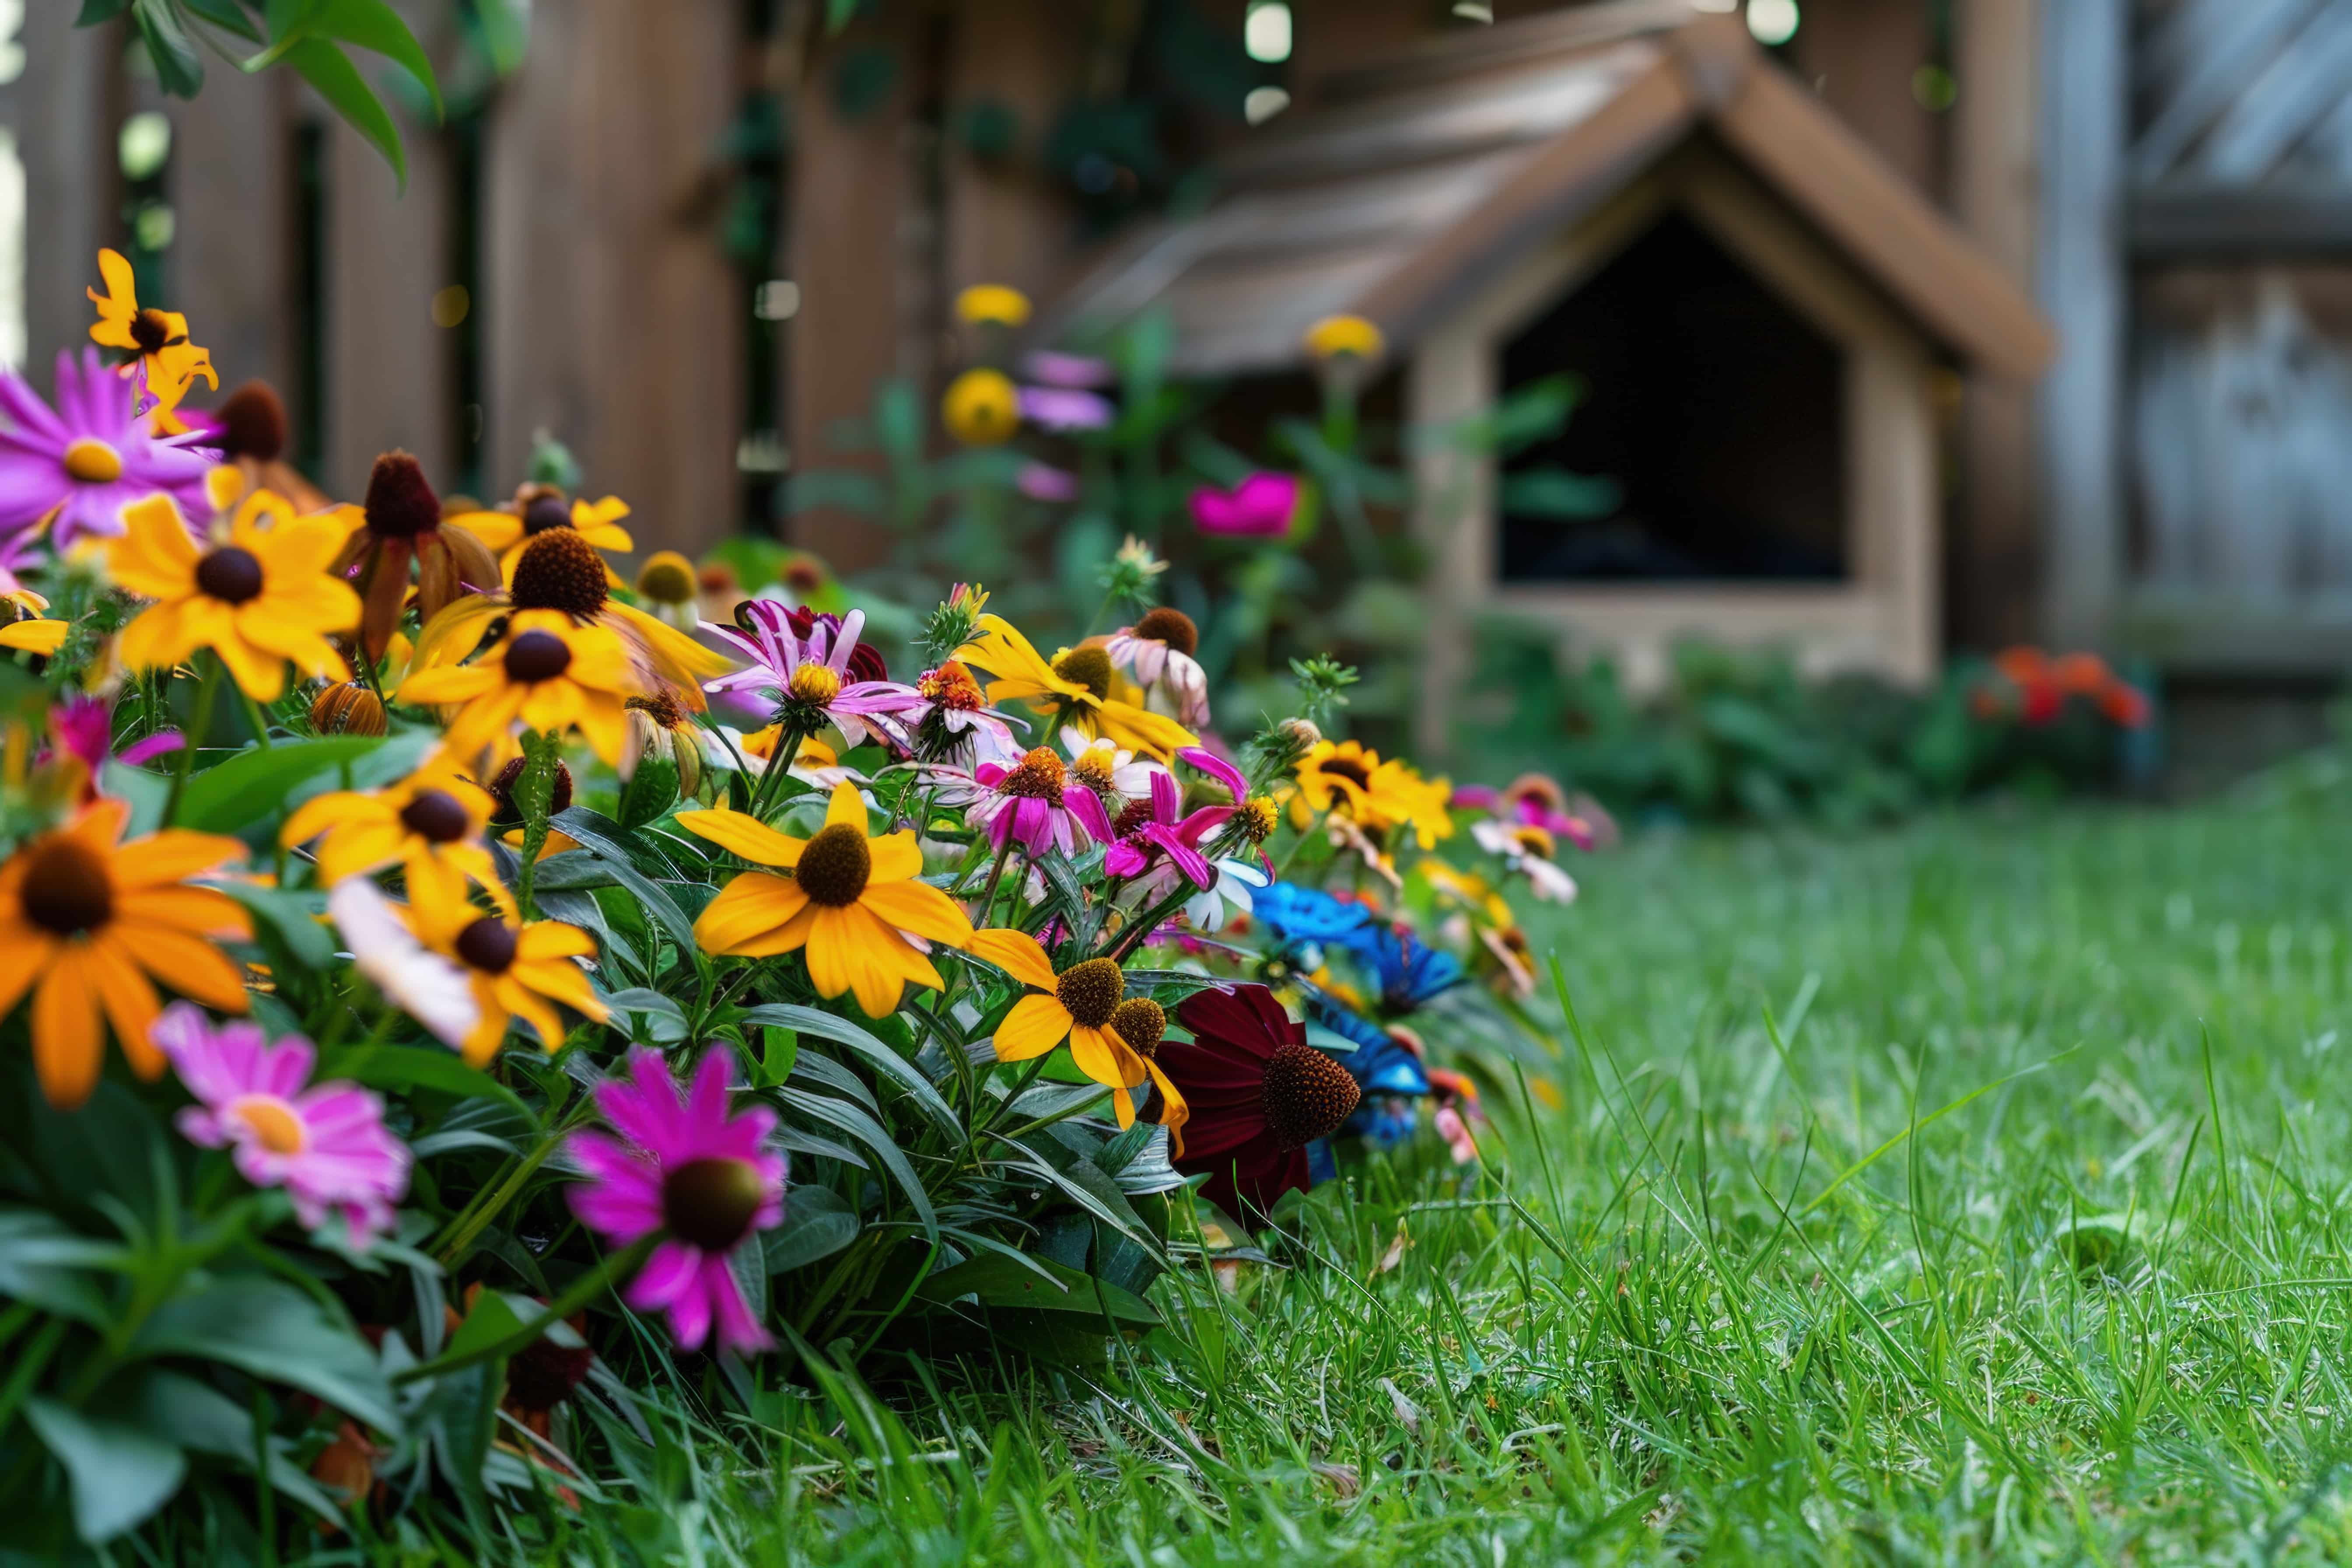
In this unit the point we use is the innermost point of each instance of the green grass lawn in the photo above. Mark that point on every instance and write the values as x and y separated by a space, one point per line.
1992 1257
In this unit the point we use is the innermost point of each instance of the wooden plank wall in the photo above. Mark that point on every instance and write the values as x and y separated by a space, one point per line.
609 314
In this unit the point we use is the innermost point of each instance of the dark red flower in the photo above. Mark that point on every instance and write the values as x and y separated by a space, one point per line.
1258 1094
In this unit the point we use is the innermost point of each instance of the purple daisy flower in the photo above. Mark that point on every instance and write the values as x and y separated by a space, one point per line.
1065 408
707 1181
83 462
810 670
325 1144
1158 825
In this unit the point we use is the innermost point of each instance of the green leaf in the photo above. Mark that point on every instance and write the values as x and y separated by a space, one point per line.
585 867
818 1223
1000 1281
492 1320
254 783
329 71
373 25
423 1067
117 1473
871 1133
201 1418
95 13
842 1032
177 64
292 918
227 15
42 1262
270 1329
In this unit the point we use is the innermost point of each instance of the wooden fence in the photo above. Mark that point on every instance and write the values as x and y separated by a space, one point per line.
600 304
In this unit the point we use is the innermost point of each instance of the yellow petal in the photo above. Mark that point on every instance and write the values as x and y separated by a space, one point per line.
918 907
740 833
1036 1025
1015 953
753 905
845 809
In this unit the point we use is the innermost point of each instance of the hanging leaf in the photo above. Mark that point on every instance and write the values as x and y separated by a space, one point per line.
118 1474
270 1329
330 70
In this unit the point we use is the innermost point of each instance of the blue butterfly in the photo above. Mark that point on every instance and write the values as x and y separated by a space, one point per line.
1380 1063
1408 971
1307 914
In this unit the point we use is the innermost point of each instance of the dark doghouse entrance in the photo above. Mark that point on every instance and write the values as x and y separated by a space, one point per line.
1718 412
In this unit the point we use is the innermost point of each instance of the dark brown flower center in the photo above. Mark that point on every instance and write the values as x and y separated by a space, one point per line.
502 784
547 511
67 887
1086 666
1131 815
252 423
560 571
487 945
1537 788
537 655
543 1374
1305 1095
1350 768
662 707
400 501
1037 776
151 332
437 817
1091 991
710 1204
1173 628
834 865
231 575
1142 1023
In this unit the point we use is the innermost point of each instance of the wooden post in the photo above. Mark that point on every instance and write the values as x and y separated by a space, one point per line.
67 107
2084 97
1006 225
849 189
1993 180
388 379
232 264
614 320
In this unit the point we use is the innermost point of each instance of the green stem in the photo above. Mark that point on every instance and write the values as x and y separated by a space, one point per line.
264 1491
584 1289
1300 843
1136 935
28 1368
206 691
471 1223
255 717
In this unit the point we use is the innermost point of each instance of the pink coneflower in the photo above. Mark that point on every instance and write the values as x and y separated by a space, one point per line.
1159 647
1043 481
950 713
1064 409
1260 507
83 727
78 467
1035 803
1528 849
682 1167
326 1144
810 664
1056 369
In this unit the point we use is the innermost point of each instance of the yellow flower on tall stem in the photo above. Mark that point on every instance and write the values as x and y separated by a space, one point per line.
1076 689
559 572
1351 779
517 969
430 825
22 628
158 341
853 902
551 676
1078 1005
539 509
256 593
92 919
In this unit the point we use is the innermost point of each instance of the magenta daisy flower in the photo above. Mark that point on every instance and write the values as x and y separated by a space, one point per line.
813 664
707 1181
1035 803
1158 827
83 462
325 1144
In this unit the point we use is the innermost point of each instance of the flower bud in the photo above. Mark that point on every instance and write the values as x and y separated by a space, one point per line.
347 708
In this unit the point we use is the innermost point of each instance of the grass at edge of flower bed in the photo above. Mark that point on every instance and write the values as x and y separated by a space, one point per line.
1969 1193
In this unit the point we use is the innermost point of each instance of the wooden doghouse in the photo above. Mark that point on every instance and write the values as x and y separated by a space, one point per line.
1758 306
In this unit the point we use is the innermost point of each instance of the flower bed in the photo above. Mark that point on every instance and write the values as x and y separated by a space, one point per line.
452 1000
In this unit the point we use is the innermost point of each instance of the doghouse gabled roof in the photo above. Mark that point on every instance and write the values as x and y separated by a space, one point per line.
1418 181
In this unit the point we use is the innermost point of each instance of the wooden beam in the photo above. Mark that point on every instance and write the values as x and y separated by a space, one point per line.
1993 547
2187 219
67 109
614 317
233 257
2084 104
388 379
